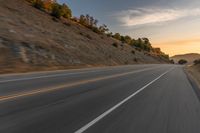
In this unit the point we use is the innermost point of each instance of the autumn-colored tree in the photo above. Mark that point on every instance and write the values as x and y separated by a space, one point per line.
48 4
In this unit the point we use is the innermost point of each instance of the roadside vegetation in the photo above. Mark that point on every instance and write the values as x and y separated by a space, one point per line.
182 61
197 62
63 11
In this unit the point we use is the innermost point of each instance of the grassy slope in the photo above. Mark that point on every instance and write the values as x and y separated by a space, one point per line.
31 40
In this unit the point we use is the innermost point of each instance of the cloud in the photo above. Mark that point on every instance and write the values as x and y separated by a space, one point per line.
143 16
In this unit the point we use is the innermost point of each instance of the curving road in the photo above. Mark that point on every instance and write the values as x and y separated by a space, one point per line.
124 99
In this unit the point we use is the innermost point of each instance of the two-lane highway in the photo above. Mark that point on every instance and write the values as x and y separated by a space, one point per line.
125 99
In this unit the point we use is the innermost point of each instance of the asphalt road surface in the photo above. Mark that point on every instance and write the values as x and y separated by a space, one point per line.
125 99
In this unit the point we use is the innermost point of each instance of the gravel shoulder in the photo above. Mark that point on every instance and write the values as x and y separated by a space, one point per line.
194 73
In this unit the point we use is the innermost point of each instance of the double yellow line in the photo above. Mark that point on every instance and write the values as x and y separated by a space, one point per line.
50 89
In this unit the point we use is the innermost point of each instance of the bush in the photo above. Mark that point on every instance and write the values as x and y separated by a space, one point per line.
61 10
89 37
38 4
196 62
115 44
135 59
182 61
172 61
56 10
133 52
66 11
96 30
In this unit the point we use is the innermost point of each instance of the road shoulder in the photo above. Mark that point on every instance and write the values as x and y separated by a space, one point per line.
193 76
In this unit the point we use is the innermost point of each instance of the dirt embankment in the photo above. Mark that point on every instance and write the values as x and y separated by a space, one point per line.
32 40
194 72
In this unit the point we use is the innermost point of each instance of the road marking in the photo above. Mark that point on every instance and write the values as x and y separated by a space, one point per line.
49 76
23 94
84 128
56 75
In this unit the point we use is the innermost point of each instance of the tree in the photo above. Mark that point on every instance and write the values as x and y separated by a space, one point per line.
117 36
61 10
95 22
48 4
66 11
127 39
82 20
103 28
91 21
56 10
182 61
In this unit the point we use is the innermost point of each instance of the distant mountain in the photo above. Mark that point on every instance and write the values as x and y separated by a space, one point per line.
189 57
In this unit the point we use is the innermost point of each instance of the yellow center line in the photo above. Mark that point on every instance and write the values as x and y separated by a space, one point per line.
49 89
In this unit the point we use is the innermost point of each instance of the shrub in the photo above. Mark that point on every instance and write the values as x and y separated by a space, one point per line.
117 36
55 19
66 11
115 44
135 59
96 30
182 61
61 10
56 10
196 62
38 4
89 37
133 52
172 61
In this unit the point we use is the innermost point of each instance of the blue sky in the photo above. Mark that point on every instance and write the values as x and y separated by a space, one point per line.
172 25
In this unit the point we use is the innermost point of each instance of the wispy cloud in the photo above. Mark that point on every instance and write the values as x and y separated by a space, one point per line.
143 16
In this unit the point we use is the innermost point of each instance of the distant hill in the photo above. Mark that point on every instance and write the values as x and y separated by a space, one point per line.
31 39
189 57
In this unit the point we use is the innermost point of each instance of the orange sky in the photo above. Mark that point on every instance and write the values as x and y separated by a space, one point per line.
180 46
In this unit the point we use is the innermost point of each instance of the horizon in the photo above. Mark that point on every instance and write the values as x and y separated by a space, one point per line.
171 25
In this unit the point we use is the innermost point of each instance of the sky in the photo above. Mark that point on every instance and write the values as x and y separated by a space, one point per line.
172 25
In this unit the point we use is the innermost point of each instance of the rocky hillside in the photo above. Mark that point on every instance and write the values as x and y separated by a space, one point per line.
189 57
31 40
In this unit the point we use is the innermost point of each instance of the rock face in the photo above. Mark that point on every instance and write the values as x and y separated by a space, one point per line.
32 40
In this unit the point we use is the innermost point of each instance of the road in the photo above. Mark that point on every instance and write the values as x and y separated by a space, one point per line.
124 99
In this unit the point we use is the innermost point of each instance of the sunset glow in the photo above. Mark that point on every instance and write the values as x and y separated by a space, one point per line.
172 25
180 46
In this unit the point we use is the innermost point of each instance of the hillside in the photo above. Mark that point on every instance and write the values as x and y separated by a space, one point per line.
32 40
189 57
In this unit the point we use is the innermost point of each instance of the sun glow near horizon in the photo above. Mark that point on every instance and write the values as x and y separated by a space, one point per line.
177 47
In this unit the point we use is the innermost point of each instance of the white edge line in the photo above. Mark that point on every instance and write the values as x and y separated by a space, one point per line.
84 128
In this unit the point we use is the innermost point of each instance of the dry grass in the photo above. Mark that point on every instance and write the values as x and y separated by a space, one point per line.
32 40
194 72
